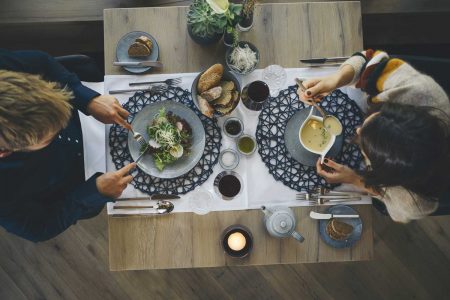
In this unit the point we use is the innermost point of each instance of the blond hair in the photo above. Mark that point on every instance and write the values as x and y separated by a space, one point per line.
30 109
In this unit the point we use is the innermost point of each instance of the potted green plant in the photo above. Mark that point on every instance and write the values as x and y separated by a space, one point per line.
233 14
231 36
207 19
246 20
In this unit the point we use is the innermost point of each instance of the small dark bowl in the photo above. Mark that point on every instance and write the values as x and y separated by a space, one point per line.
248 237
241 44
227 76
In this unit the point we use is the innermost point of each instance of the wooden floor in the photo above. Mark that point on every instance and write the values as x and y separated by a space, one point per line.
411 262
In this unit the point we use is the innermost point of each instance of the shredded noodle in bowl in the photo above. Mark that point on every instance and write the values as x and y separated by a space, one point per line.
242 58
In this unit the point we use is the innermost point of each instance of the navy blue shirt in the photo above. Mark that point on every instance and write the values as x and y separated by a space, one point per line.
43 192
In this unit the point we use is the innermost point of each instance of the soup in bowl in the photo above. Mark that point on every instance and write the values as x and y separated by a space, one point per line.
314 137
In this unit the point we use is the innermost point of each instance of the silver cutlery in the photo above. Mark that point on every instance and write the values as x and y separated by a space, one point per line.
152 197
324 60
323 65
325 191
171 81
154 90
138 64
139 138
161 207
320 216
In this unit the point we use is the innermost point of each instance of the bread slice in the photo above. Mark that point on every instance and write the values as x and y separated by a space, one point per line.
212 94
146 41
138 50
210 78
338 230
227 85
225 100
226 110
204 106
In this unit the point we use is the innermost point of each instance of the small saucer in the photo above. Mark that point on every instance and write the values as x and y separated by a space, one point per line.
355 222
295 148
122 51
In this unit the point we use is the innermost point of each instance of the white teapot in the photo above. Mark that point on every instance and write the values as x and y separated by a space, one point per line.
280 222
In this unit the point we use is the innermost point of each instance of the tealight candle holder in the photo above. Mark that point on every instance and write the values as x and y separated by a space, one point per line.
237 241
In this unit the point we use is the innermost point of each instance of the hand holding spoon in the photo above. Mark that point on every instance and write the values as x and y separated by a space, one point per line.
330 122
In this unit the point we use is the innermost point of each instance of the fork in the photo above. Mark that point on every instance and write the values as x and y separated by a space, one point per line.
171 81
139 138
153 90
325 191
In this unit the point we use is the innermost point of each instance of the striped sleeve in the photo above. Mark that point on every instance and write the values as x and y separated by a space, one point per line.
372 68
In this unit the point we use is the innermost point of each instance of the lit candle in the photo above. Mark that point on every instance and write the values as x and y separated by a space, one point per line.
236 241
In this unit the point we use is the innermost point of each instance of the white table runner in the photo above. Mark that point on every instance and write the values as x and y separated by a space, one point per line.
260 188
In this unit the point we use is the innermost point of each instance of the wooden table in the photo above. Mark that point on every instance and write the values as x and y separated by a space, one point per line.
283 33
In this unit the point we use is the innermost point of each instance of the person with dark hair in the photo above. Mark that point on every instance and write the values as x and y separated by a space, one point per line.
404 139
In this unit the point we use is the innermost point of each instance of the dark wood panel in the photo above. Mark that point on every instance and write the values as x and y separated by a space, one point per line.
25 11
401 29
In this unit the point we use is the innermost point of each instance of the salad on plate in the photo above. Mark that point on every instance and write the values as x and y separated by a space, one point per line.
170 138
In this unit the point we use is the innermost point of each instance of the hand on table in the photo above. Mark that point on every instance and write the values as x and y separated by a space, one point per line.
112 184
108 110
337 173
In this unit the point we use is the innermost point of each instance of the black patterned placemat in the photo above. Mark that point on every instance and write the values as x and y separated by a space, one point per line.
118 143
270 137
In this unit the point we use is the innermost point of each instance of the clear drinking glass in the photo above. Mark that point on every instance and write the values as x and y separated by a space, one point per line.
275 77
200 201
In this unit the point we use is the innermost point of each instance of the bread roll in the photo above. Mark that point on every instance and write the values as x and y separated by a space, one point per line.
210 78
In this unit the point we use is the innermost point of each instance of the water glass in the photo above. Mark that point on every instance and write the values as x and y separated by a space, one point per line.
275 76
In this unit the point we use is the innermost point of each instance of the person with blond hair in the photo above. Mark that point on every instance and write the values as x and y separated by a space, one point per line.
42 185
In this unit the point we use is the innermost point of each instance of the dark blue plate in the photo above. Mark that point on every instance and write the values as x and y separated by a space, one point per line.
355 222
295 148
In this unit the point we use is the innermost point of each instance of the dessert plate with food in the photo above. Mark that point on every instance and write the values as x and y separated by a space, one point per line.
137 46
175 135
305 137
216 92
340 232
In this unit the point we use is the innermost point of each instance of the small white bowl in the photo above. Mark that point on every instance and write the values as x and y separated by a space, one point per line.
330 142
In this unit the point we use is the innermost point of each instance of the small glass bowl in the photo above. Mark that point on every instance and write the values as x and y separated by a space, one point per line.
200 201
229 120
254 141
236 159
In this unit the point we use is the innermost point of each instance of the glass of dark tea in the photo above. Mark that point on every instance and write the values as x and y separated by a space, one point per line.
228 185
255 94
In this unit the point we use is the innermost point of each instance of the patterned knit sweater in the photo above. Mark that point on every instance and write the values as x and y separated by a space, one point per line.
391 79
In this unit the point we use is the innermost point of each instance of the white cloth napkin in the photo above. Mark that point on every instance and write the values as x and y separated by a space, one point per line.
260 188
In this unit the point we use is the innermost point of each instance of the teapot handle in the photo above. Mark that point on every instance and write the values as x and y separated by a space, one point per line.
298 236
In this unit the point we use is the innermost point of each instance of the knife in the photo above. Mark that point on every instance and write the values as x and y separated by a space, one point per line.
324 60
319 216
142 154
138 64
153 197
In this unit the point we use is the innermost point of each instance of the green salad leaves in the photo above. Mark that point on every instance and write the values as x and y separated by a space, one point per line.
170 138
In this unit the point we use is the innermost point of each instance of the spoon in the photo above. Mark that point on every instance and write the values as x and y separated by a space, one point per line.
330 122
162 207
